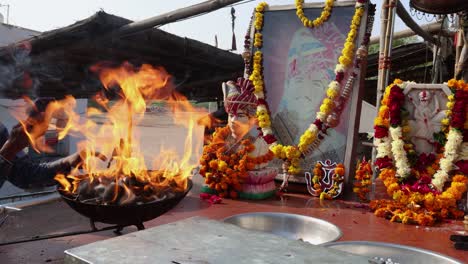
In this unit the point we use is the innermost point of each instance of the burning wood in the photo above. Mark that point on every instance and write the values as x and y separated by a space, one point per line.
119 190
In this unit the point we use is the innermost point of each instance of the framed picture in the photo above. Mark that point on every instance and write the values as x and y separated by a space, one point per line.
299 63
426 105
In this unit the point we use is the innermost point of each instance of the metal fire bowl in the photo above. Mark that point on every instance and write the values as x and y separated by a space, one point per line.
398 253
125 215
292 226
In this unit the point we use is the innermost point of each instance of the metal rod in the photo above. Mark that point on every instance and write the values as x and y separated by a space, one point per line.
32 202
37 238
13 197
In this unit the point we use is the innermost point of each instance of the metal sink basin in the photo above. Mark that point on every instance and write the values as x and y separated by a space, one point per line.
397 253
292 226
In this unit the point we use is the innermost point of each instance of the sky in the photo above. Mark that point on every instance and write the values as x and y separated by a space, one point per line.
47 15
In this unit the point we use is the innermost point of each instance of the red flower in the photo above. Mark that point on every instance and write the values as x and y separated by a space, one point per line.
269 139
462 166
380 132
383 162
339 76
318 123
424 160
396 99
459 109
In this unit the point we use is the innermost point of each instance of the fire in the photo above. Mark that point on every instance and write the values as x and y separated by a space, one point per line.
114 132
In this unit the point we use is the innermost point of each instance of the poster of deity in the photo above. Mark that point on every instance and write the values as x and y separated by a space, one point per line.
299 64
426 105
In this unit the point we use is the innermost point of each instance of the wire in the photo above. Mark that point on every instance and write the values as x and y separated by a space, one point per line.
204 13
240 3
425 64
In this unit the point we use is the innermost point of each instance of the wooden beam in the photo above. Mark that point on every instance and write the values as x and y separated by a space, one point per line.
401 12
173 16
431 28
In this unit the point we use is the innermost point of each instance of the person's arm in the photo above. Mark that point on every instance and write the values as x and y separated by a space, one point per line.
26 174
5 169
5 164
22 172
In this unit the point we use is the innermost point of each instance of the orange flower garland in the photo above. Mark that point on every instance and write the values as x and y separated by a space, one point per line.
224 171
363 179
417 208
416 182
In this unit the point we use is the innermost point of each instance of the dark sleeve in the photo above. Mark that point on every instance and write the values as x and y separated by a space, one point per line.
5 169
5 165
26 174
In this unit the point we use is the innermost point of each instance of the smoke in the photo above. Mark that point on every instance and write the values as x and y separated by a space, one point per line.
20 76
15 78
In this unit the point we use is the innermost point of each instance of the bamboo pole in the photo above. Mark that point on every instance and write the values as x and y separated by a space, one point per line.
383 33
431 28
173 16
387 17
387 49
408 20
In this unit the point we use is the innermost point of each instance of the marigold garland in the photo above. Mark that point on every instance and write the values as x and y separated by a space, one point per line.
410 207
318 21
316 131
390 131
224 171
416 182
363 179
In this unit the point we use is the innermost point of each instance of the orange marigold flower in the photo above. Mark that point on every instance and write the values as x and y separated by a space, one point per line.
392 188
213 164
340 171
460 178
452 83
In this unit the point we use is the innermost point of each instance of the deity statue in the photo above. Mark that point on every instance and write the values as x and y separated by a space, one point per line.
241 142
426 121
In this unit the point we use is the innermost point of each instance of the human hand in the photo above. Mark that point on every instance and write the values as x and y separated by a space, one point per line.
22 134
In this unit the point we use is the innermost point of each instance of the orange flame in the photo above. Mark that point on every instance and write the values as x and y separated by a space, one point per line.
114 132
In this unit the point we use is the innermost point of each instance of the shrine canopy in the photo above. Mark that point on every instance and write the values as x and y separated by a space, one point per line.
58 61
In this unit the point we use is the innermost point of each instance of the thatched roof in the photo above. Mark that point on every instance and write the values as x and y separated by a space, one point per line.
59 61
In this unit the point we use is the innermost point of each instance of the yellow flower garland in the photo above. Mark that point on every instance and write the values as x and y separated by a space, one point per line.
318 21
293 153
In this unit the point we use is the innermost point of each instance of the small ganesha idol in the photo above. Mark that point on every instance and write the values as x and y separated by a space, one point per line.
327 180
234 164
